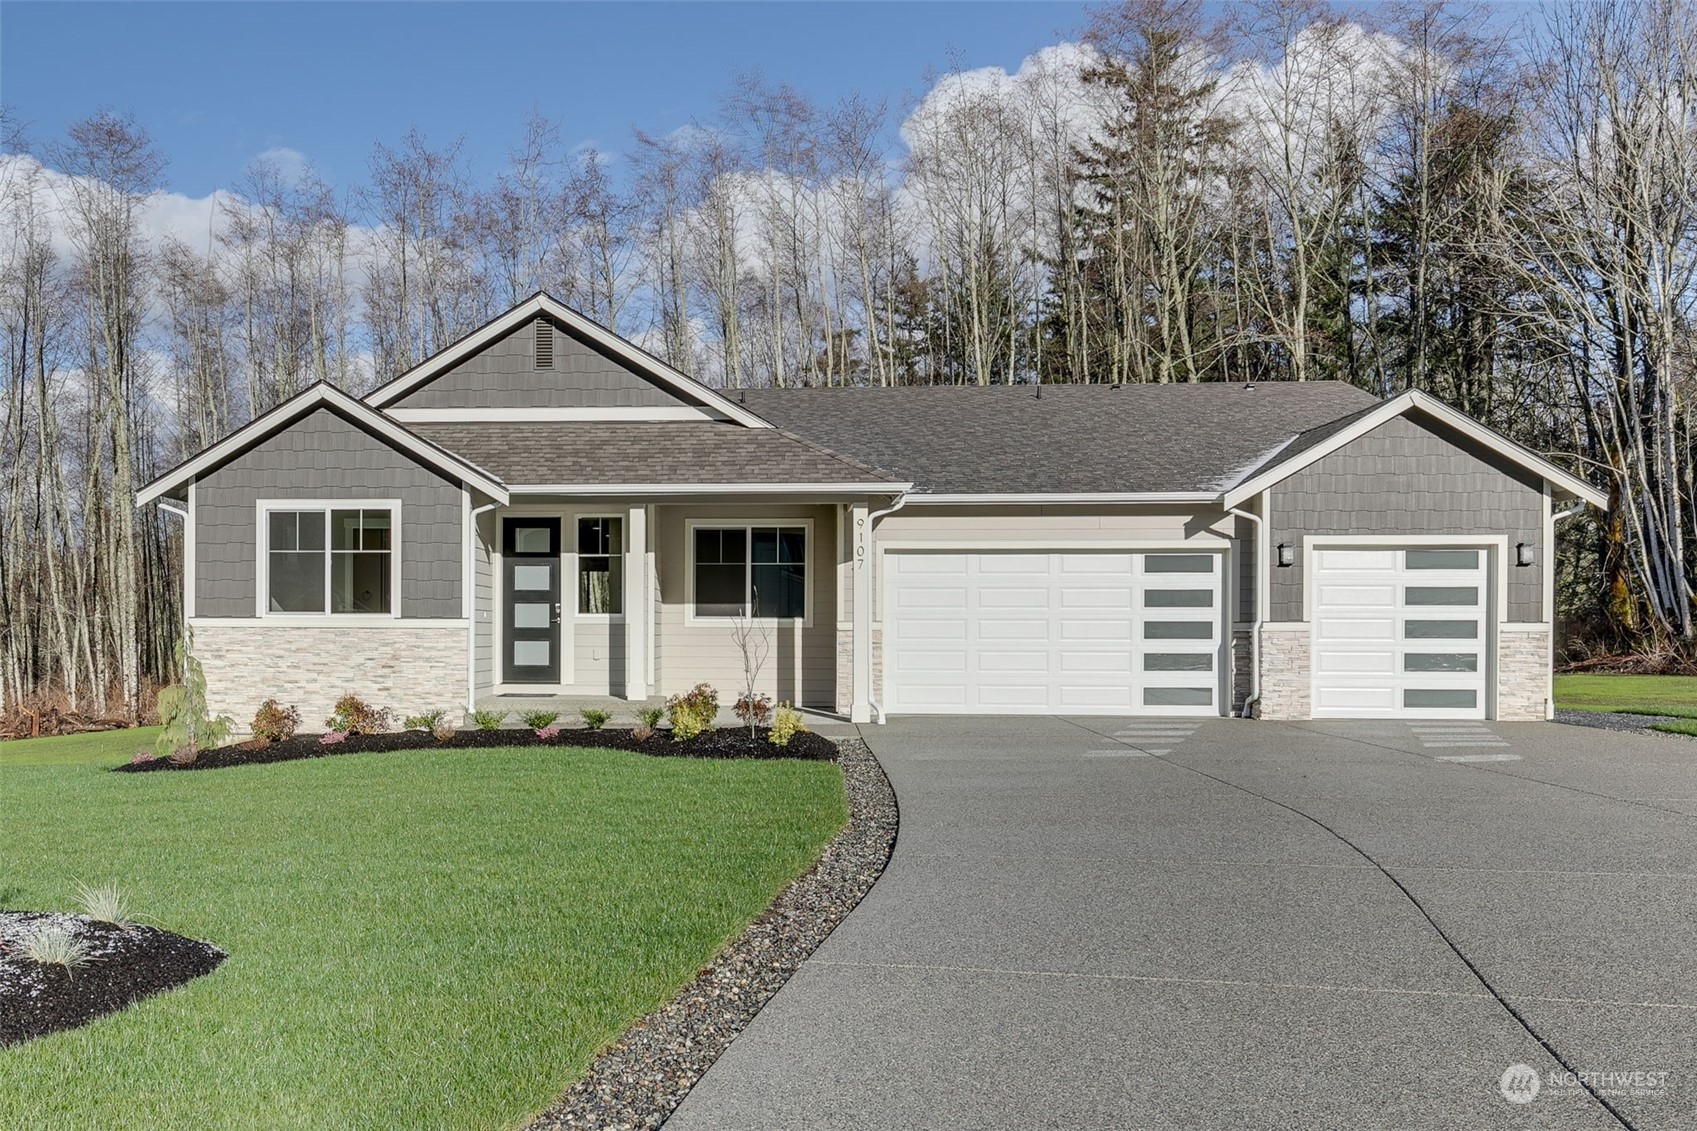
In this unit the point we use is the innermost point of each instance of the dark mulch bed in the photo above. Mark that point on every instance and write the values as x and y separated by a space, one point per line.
725 743
639 1080
126 964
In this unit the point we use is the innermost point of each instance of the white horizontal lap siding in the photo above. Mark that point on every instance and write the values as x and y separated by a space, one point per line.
1366 634
987 631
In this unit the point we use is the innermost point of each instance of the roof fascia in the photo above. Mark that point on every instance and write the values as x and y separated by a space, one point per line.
709 488
291 410
1401 406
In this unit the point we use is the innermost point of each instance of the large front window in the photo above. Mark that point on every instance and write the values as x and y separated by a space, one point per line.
741 570
329 559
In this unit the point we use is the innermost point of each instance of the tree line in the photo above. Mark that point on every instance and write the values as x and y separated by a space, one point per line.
1501 215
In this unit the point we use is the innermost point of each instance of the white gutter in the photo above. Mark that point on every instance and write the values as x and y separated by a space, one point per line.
471 599
609 489
172 508
901 501
1263 573
1059 498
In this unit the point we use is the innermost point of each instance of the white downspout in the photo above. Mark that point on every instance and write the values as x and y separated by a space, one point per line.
471 602
1549 605
1262 573
871 588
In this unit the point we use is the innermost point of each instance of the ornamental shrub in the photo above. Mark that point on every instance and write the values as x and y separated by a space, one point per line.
786 724
353 715
594 718
489 720
537 720
186 728
753 709
650 716
274 722
693 712
425 720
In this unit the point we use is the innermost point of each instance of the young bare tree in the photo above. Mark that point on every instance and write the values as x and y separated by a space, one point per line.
1609 246
112 166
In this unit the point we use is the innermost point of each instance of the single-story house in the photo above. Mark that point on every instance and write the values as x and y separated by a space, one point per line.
543 508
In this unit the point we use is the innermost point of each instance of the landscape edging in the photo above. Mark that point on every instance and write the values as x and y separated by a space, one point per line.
641 1078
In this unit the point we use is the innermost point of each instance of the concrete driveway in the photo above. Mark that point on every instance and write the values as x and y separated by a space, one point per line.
1301 925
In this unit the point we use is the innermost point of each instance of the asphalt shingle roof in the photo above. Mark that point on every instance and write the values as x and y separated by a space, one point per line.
608 452
1073 438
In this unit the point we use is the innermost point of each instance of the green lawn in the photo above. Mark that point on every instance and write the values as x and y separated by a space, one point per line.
431 939
101 748
1638 694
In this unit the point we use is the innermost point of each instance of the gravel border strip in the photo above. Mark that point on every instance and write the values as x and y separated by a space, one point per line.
1616 721
639 1080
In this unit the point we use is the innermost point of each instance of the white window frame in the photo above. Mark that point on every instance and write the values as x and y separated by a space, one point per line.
574 566
808 560
262 560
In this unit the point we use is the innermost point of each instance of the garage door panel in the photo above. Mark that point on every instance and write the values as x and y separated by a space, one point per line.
1344 629
1012 597
1095 663
1079 597
929 661
1106 630
995 564
1003 629
1023 633
995 660
1358 596
921 564
1334 662
930 597
1369 561
1344 697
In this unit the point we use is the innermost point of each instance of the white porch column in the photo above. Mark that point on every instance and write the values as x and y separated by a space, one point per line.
860 706
639 595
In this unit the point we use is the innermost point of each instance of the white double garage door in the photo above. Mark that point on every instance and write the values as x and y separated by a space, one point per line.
1398 632
1019 633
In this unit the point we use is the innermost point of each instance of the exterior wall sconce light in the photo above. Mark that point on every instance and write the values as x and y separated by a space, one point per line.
1523 553
1287 554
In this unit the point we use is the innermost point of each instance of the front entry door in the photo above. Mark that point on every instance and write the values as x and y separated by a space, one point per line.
532 587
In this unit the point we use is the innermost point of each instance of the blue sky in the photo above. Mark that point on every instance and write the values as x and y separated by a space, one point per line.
218 83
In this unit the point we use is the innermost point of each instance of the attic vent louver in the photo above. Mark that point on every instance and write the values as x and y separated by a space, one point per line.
544 344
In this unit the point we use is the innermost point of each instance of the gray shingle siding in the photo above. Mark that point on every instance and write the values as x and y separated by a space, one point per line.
323 456
1407 477
504 375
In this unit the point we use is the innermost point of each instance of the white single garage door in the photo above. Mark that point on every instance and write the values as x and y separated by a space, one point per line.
1401 632
1011 633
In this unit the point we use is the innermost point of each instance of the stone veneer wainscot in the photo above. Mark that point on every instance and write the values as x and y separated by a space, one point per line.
408 667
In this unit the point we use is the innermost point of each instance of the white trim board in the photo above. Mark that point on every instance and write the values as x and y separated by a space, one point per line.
262 558
606 489
542 304
291 410
1444 414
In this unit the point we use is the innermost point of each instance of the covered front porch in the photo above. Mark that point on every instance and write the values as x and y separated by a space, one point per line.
617 602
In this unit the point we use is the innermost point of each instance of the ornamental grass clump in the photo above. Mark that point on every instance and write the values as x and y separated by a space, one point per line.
693 711
55 945
104 903
594 718
488 720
